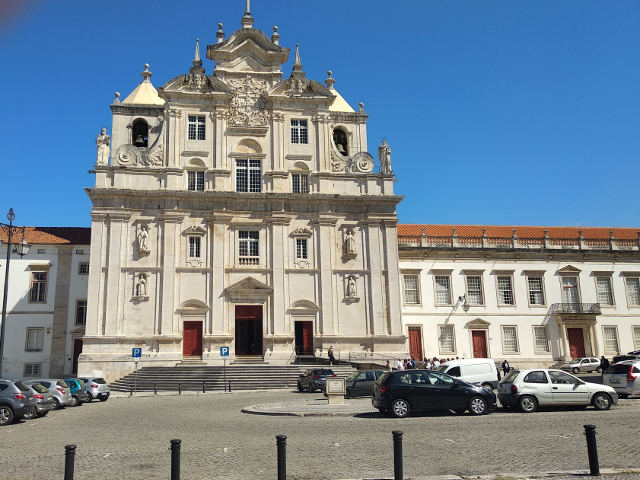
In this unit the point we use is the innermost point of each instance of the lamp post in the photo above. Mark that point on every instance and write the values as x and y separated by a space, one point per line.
22 249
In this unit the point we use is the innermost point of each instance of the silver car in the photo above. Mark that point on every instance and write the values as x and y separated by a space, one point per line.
97 388
58 388
624 377
582 364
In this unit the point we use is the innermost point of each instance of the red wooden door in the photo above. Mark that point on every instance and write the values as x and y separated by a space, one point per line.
192 339
415 343
304 337
576 342
479 338
77 350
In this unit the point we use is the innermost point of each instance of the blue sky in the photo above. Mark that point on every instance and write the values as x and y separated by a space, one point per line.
498 112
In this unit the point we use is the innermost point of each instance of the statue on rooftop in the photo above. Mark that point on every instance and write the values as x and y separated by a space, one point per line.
102 141
384 156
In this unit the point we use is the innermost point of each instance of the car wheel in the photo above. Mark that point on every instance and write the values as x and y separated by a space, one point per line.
74 401
478 406
90 399
400 408
488 386
58 405
6 415
528 404
601 401
575 370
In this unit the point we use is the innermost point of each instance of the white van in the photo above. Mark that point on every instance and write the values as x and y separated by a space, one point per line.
479 371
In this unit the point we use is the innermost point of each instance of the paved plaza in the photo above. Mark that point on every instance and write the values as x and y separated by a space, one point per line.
129 438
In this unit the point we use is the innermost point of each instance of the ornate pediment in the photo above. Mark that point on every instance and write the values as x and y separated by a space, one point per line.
568 270
194 230
301 232
303 307
193 307
248 289
477 323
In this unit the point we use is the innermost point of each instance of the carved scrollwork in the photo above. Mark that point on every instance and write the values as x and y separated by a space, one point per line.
361 162
132 155
249 105
297 86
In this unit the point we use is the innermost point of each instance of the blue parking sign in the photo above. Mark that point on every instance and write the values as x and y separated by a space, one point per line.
136 352
224 351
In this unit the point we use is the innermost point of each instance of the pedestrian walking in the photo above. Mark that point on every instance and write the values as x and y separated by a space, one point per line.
505 367
387 367
400 365
332 358
604 364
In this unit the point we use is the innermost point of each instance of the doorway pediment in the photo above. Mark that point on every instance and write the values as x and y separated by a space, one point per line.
477 324
248 289
302 307
193 307
569 269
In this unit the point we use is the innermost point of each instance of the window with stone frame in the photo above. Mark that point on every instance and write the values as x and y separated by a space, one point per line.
248 175
195 181
510 339
636 338
32 369
300 182
83 268
443 289
301 249
446 339
505 290
299 131
34 340
248 247
38 290
633 291
541 339
610 335
411 288
81 312
194 246
536 289
603 289
196 129
474 290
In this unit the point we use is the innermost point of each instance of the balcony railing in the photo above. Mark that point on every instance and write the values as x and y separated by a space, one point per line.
249 260
573 308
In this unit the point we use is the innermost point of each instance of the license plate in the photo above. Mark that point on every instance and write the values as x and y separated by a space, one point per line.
614 380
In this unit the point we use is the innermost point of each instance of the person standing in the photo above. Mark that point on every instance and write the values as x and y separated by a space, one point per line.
332 358
604 364
400 365
387 367
505 367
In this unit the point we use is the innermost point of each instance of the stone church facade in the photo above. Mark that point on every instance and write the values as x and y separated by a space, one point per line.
237 208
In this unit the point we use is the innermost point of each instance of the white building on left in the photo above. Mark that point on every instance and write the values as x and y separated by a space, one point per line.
46 301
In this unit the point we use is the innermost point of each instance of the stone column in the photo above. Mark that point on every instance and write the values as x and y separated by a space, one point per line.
169 261
95 290
115 290
326 254
220 145
279 248
594 342
220 247
323 160
277 142
390 234
173 154
375 255
564 341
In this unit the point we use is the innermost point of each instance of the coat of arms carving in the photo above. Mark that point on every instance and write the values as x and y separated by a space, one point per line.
249 105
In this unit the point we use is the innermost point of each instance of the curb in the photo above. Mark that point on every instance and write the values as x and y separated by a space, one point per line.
604 472
253 410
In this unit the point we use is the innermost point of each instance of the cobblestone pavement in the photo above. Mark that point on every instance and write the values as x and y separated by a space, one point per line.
129 438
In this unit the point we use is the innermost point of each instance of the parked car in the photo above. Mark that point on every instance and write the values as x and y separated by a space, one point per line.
314 379
478 371
629 356
530 389
404 391
97 388
78 391
623 377
44 401
360 383
58 388
582 364
16 401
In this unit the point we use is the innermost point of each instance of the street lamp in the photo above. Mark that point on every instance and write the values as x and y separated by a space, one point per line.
21 249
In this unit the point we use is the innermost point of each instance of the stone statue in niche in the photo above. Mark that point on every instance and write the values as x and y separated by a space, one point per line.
384 156
352 291
103 141
350 244
143 241
141 286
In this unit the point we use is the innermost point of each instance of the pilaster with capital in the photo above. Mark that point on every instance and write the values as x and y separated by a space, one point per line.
279 239
219 245
323 143
277 141
327 252
169 231
116 281
174 117
390 234
96 297
375 254
220 148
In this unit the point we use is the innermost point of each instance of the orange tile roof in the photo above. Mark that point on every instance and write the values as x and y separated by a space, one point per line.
51 236
504 231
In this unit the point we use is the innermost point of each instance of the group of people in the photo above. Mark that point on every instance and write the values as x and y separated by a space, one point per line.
412 363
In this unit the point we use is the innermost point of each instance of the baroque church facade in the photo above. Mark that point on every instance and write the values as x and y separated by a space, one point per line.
240 209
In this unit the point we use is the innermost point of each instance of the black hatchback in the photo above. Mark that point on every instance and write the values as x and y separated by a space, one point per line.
404 391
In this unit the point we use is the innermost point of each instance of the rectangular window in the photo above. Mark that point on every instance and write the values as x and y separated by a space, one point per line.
474 290
509 339
446 339
83 268
610 335
248 175
196 127
300 182
32 369
536 292
633 291
541 338
38 291
603 287
636 338
299 131
196 181
570 290
443 290
248 253
411 291
34 340
505 291
81 312
301 248
194 247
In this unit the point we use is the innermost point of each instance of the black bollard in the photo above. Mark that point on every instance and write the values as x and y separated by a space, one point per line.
175 459
229 386
131 390
179 389
155 388
397 455
281 442
592 449
203 389
69 460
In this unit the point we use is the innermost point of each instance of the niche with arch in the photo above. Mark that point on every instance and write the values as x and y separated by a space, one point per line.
140 133
340 140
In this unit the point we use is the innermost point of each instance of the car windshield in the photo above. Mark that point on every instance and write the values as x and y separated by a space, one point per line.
22 386
618 369
324 371
510 377
39 388
99 381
